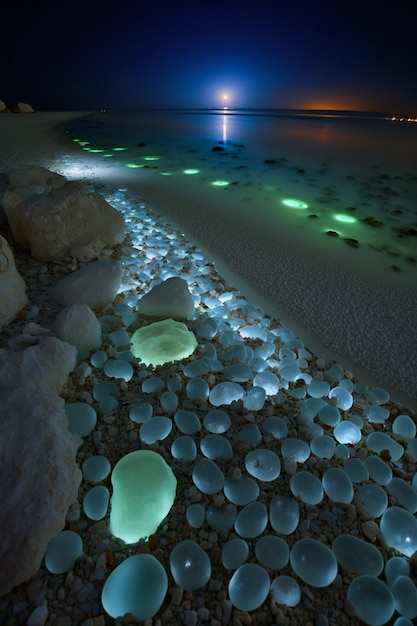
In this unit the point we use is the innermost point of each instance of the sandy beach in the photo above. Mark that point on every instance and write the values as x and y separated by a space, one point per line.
368 328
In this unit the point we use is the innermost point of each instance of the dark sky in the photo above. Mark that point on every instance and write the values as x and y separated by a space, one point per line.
264 53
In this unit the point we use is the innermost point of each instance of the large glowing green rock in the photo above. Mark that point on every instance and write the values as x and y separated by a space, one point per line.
162 342
143 493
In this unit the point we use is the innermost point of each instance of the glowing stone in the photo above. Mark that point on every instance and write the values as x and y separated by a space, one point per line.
405 596
323 446
220 183
374 499
96 468
284 514
318 389
313 562
342 396
249 587
403 428
155 429
275 426
293 203
62 552
296 449
208 477
272 551
307 487
263 464
191 171
184 448
371 600
358 556
226 393
378 470
338 485
221 519
329 415
252 520
377 442
197 389
96 502
162 342
143 493
356 470
241 491
118 368
399 529
346 219
82 418
347 432
396 566
195 515
254 400
187 422
137 586
190 565
268 381
217 447
217 421
286 590
234 553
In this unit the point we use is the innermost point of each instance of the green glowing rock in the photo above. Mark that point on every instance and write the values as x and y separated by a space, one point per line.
143 493
293 203
162 342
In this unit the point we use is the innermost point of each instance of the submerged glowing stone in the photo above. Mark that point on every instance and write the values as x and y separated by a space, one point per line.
162 342
143 493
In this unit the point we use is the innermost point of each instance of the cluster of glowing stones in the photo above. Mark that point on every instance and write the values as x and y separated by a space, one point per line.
293 203
346 219
220 183
144 488
162 342
191 171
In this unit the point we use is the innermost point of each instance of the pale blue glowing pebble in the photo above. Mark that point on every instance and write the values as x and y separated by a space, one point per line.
307 487
137 586
221 519
347 432
249 587
96 502
226 393
403 428
371 600
323 446
272 551
341 452
334 374
297 449
289 371
412 448
82 418
356 470
104 389
310 408
208 477
329 415
217 421
396 566
187 422
174 385
376 395
378 442
313 562
376 414
96 468
119 338
342 396
405 596
107 404
358 556
197 389
275 426
251 435
118 368
169 402
284 514
198 367
374 498
155 429
254 399
141 412
268 381
241 491
251 520
253 332
98 358
195 515
216 447
263 464
402 621
286 590
337 485
399 529
184 448
318 389
153 384
238 373
378 470
62 552
190 565
257 365
207 329
234 553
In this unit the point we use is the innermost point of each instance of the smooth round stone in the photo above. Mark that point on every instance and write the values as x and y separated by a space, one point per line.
377 414
313 562
190 565
268 381
208 477
343 397
272 551
309 408
197 389
221 519
141 412
377 442
403 428
81 417
405 596
284 514
342 452
329 415
174 385
96 502
252 520
153 384
263 464
251 435
371 600
378 470
137 586
399 529
356 470
323 446
184 448
62 552
374 498
118 368
107 404
347 432
198 367
318 389
96 468
412 448
296 449
238 372
249 587
187 422
234 553
403 621
376 395
104 389
275 426
337 485
307 487
217 421
216 447
119 338
169 402
254 400
241 491
286 590
195 515
358 556
226 393
155 429
396 566
404 493
98 358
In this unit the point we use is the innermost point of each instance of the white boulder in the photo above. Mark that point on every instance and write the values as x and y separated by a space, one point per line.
3 106
24 107
28 180
95 285
39 475
171 298
79 325
12 286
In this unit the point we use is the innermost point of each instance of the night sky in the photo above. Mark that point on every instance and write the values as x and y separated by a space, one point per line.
133 54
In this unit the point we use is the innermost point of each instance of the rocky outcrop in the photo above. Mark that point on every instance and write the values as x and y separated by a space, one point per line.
12 286
24 182
39 476
23 107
